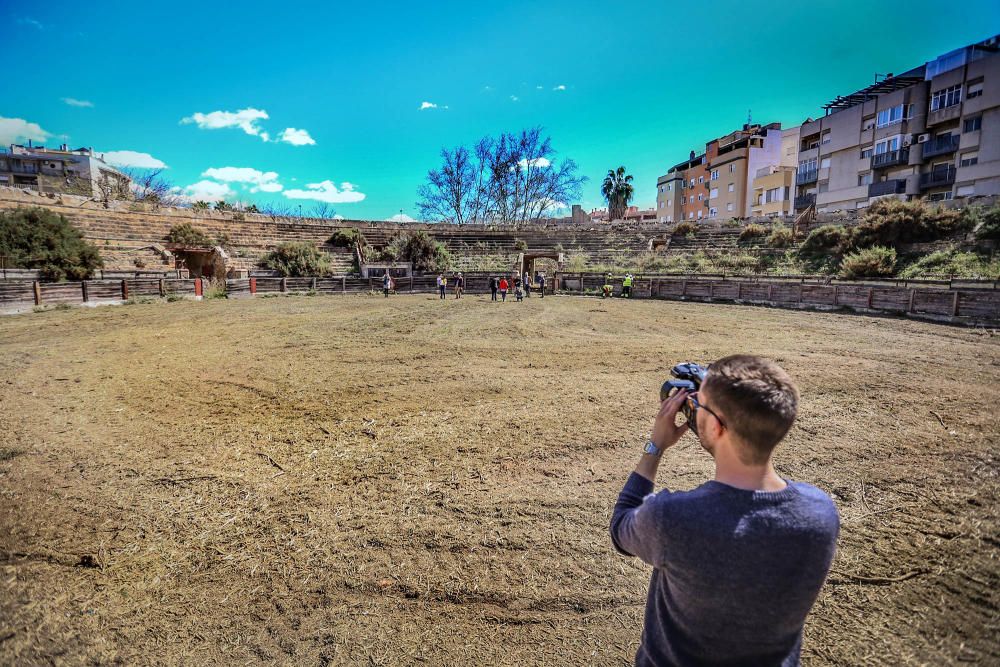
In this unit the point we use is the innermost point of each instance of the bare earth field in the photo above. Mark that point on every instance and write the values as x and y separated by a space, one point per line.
361 481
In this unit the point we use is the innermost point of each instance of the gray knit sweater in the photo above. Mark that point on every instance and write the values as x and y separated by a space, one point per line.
734 572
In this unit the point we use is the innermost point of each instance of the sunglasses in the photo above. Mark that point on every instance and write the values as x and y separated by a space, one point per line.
690 409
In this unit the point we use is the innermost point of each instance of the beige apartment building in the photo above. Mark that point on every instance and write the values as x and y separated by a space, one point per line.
50 170
718 184
773 185
931 133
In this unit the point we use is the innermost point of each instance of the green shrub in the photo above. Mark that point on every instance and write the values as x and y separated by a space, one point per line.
889 222
781 236
578 261
348 237
740 262
520 246
827 239
216 289
751 232
186 235
986 221
297 258
952 263
651 262
686 229
874 262
37 238
421 250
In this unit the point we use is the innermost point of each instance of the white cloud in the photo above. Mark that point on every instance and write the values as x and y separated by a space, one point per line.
515 98
338 217
539 162
244 119
208 191
16 130
32 22
539 87
259 181
431 105
327 191
133 159
560 87
73 102
296 137
400 217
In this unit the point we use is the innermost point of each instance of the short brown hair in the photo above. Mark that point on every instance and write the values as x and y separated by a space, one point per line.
758 401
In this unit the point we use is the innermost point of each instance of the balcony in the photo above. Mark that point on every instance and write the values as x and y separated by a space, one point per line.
893 186
938 177
944 114
940 146
804 177
802 202
890 158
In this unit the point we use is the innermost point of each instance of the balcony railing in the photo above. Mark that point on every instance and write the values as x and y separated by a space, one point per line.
804 177
893 186
890 158
803 202
938 177
940 146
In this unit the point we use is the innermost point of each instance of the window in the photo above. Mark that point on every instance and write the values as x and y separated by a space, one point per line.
824 163
732 168
659 204
715 174
661 189
947 97
701 179
866 152
713 193
865 178
700 214
712 212
732 187
692 199
940 196
825 137
670 218
670 202
690 215
896 114
867 123
701 196
807 165
692 182
773 195
966 191
670 186
975 90
973 124
886 145
729 206
969 159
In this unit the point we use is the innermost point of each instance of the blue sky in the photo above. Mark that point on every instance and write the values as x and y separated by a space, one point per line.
342 84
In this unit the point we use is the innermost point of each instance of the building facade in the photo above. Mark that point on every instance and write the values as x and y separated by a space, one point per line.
78 172
773 186
718 184
930 133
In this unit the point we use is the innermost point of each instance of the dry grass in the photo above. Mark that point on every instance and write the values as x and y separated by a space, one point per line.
366 481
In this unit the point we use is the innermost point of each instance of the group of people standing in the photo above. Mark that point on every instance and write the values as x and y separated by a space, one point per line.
522 286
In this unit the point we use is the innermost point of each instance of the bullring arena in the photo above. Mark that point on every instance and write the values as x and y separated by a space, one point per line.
349 479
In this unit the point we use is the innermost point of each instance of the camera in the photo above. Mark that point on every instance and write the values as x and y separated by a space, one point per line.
689 377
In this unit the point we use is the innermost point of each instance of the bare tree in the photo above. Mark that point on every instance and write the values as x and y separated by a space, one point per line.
323 210
503 180
149 186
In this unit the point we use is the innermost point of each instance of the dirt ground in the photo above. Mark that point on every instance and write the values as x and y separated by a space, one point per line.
361 481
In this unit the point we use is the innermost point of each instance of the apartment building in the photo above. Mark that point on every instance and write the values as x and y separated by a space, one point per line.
932 132
773 186
717 184
79 172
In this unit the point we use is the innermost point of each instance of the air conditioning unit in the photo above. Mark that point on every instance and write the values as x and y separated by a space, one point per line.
921 138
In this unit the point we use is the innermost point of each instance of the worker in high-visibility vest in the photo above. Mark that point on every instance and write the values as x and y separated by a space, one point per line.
627 286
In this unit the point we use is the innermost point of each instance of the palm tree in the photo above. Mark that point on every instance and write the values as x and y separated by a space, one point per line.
617 190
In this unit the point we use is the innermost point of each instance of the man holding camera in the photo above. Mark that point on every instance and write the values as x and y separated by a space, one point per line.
739 561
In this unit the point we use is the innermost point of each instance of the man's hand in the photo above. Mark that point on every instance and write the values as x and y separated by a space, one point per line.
666 433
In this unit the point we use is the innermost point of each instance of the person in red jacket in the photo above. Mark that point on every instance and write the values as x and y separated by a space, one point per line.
503 289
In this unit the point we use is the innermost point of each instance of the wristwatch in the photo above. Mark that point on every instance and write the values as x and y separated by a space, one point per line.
651 448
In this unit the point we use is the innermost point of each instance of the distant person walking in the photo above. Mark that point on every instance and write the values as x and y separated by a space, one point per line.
504 286
541 285
494 286
527 284
442 284
386 283
459 285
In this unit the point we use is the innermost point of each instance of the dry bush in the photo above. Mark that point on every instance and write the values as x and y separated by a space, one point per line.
752 232
874 262
686 229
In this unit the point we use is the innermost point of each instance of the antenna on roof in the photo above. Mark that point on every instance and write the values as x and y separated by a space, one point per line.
749 117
